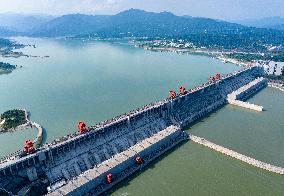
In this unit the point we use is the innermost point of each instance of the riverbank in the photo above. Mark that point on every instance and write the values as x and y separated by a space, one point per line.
16 54
7 49
7 46
276 85
197 51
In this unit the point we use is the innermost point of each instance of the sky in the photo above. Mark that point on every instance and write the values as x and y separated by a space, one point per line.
219 9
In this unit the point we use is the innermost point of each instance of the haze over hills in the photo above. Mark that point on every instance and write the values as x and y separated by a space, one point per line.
72 24
23 23
268 22
132 22
4 31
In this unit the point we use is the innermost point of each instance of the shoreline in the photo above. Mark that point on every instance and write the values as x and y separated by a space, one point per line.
196 51
276 85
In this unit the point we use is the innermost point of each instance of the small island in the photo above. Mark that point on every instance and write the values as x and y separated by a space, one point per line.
11 119
18 119
6 67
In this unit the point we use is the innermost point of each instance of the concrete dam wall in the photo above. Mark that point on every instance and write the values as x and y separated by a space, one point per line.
67 158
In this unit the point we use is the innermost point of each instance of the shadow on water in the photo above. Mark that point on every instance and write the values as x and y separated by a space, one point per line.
152 165
44 136
265 110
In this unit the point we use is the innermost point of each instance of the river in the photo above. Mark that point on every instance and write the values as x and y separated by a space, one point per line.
96 80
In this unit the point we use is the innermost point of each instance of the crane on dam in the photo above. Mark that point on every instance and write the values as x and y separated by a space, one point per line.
81 127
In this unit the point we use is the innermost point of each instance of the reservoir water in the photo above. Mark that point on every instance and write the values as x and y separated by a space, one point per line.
192 169
94 81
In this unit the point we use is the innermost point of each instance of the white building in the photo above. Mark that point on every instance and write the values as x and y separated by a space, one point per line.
273 68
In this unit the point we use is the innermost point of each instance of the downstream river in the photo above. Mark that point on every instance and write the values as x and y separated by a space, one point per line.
94 81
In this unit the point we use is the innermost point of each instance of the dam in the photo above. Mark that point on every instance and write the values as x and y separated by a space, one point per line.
92 161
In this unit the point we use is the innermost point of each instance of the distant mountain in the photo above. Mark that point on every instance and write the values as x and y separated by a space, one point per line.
23 23
269 22
72 24
133 22
139 23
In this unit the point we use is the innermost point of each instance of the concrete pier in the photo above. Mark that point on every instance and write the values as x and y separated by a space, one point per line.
236 155
245 92
38 139
249 89
245 105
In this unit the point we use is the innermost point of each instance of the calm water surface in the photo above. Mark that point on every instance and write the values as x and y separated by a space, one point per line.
95 81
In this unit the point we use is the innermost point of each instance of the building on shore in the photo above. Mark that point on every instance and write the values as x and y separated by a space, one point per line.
273 68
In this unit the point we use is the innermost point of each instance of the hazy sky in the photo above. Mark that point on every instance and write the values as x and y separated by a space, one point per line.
221 9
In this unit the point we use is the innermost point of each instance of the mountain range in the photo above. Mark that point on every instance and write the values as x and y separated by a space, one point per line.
22 23
139 23
131 22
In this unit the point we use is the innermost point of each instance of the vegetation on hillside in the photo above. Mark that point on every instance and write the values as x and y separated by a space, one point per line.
202 32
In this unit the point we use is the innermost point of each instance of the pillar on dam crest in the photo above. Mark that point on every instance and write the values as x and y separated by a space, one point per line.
128 121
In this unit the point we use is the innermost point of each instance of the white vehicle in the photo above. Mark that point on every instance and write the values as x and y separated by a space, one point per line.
56 185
